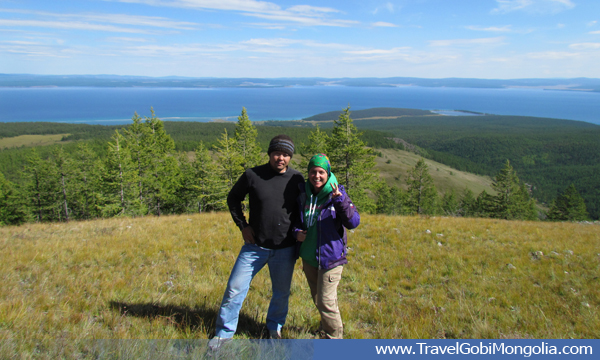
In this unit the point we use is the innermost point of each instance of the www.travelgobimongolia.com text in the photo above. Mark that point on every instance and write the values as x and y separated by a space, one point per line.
483 349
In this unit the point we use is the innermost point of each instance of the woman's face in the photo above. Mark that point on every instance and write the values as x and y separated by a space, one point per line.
317 177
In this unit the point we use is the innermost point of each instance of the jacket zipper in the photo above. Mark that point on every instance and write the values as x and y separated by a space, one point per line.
319 237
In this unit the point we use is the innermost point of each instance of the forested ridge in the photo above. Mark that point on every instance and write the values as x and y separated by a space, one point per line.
370 113
186 135
549 155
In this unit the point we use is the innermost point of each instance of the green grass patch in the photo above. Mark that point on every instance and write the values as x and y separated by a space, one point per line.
30 140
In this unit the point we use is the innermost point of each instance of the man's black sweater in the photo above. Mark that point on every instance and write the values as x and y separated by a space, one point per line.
273 207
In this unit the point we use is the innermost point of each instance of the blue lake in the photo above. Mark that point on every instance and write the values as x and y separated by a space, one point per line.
117 105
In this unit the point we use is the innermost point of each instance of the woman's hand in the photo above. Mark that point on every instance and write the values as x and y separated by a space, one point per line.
335 191
301 235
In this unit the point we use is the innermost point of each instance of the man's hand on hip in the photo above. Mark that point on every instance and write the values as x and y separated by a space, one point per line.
248 235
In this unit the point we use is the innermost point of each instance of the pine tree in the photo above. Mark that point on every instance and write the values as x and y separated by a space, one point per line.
391 200
120 181
136 141
205 188
42 188
484 205
151 150
229 159
245 138
468 204
422 193
86 184
351 161
212 189
63 166
317 144
162 176
568 206
512 200
450 203
12 207
186 193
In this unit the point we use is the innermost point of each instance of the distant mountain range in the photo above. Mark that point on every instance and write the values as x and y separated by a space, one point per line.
28 80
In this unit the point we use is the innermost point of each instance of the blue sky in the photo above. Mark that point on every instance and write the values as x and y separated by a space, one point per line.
302 38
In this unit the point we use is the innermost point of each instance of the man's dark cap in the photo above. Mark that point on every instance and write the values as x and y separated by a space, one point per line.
281 143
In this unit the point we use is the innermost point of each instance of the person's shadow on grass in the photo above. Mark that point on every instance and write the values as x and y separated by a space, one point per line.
193 319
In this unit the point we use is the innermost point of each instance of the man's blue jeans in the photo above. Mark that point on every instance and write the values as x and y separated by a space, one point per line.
251 259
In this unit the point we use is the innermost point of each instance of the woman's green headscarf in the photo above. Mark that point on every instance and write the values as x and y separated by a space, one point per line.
313 207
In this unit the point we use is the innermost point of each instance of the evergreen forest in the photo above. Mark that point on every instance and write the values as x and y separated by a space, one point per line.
153 167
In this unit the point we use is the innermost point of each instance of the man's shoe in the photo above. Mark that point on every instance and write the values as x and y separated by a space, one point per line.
215 344
275 334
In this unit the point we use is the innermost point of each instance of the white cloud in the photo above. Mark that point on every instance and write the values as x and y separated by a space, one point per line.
387 6
595 32
30 49
19 42
592 23
74 25
126 39
468 42
533 6
94 22
121 19
236 5
505 28
280 47
397 50
268 26
304 20
383 24
280 42
305 15
585 46
262 44
560 26
552 55
307 9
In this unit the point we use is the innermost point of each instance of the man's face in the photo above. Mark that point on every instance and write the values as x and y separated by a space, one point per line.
279 161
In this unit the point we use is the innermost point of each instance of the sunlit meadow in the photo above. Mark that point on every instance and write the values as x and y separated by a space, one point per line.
407 277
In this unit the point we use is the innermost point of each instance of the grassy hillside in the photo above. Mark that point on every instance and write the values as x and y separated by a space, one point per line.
31 140
164 278
395 164
371 113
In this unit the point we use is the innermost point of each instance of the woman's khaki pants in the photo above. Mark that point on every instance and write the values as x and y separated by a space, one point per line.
323 289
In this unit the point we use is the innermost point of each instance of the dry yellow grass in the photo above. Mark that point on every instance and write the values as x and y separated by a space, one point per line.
30 140
444 177
163 278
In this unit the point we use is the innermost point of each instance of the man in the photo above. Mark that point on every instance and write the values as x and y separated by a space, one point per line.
268 238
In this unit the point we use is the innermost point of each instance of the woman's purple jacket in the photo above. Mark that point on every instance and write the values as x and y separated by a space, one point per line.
335 217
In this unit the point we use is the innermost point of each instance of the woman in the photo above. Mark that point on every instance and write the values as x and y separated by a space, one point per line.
326 212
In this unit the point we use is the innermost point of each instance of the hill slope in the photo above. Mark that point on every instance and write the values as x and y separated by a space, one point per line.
444 177
549 154
164 277
370 113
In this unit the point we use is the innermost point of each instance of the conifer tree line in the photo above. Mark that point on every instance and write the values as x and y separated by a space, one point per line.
512 200
142 174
